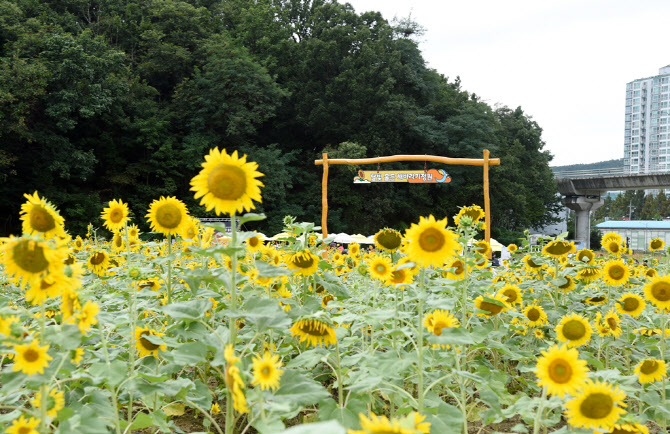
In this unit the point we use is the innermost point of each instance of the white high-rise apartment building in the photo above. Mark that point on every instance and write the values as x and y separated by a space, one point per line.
647 133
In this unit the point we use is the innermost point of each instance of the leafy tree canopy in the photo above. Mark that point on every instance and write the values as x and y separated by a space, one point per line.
122 99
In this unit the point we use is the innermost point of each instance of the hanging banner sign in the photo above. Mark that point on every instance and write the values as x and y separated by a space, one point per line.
430 176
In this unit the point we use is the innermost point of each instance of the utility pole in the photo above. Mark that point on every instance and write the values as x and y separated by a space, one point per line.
630 209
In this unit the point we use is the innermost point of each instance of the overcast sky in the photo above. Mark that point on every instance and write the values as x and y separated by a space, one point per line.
565 62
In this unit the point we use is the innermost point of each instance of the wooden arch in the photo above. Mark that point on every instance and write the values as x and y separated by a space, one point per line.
484 162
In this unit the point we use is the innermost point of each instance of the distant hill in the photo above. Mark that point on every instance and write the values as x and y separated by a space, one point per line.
609 164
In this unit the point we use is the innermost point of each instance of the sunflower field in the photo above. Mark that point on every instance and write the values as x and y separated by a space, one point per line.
418 334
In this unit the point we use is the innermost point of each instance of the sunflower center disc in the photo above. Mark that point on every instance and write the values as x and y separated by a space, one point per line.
381 269
265 371
458 265
438 326
98 258
31 355
630 304
116 215
533 314
431 240
313 330
649 367
492 309
168 216
146 343
661 291
253 241
656 244
41 220
614 247
559 248
597 406
30 257
616 272
303 261
566 284
511 295
532 264
389 240
574 330
612 323
227 182
560 371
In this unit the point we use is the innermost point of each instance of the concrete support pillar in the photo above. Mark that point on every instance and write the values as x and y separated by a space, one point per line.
583 205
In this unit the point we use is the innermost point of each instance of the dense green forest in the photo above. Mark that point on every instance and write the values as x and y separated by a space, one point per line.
634 204
122 99
608 164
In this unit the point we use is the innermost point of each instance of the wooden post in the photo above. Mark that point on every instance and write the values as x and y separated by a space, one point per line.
324 198
487 204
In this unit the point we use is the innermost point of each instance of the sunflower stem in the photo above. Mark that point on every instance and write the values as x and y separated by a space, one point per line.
419 344
540 410
461 386
169 270
44 390
340 392
231 321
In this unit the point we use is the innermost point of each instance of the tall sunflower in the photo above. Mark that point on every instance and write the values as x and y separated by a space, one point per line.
233 380
574 330
315 331
115 215
491 308
657 292
146 347
532 264
586 256
227 183
87 317
168 215
380 268
31 358
388 239
615 273
401 276
55 402
439 319
24 426
656 244
616 248
266 371
412 423
631 304
459 269
628 428
475 212
535 315
254 244
650 370
569 284
513 294
598 406
613 323
588 274
98 262
28 260
430 242
560 370
50 286
303 262
40 217
559 248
